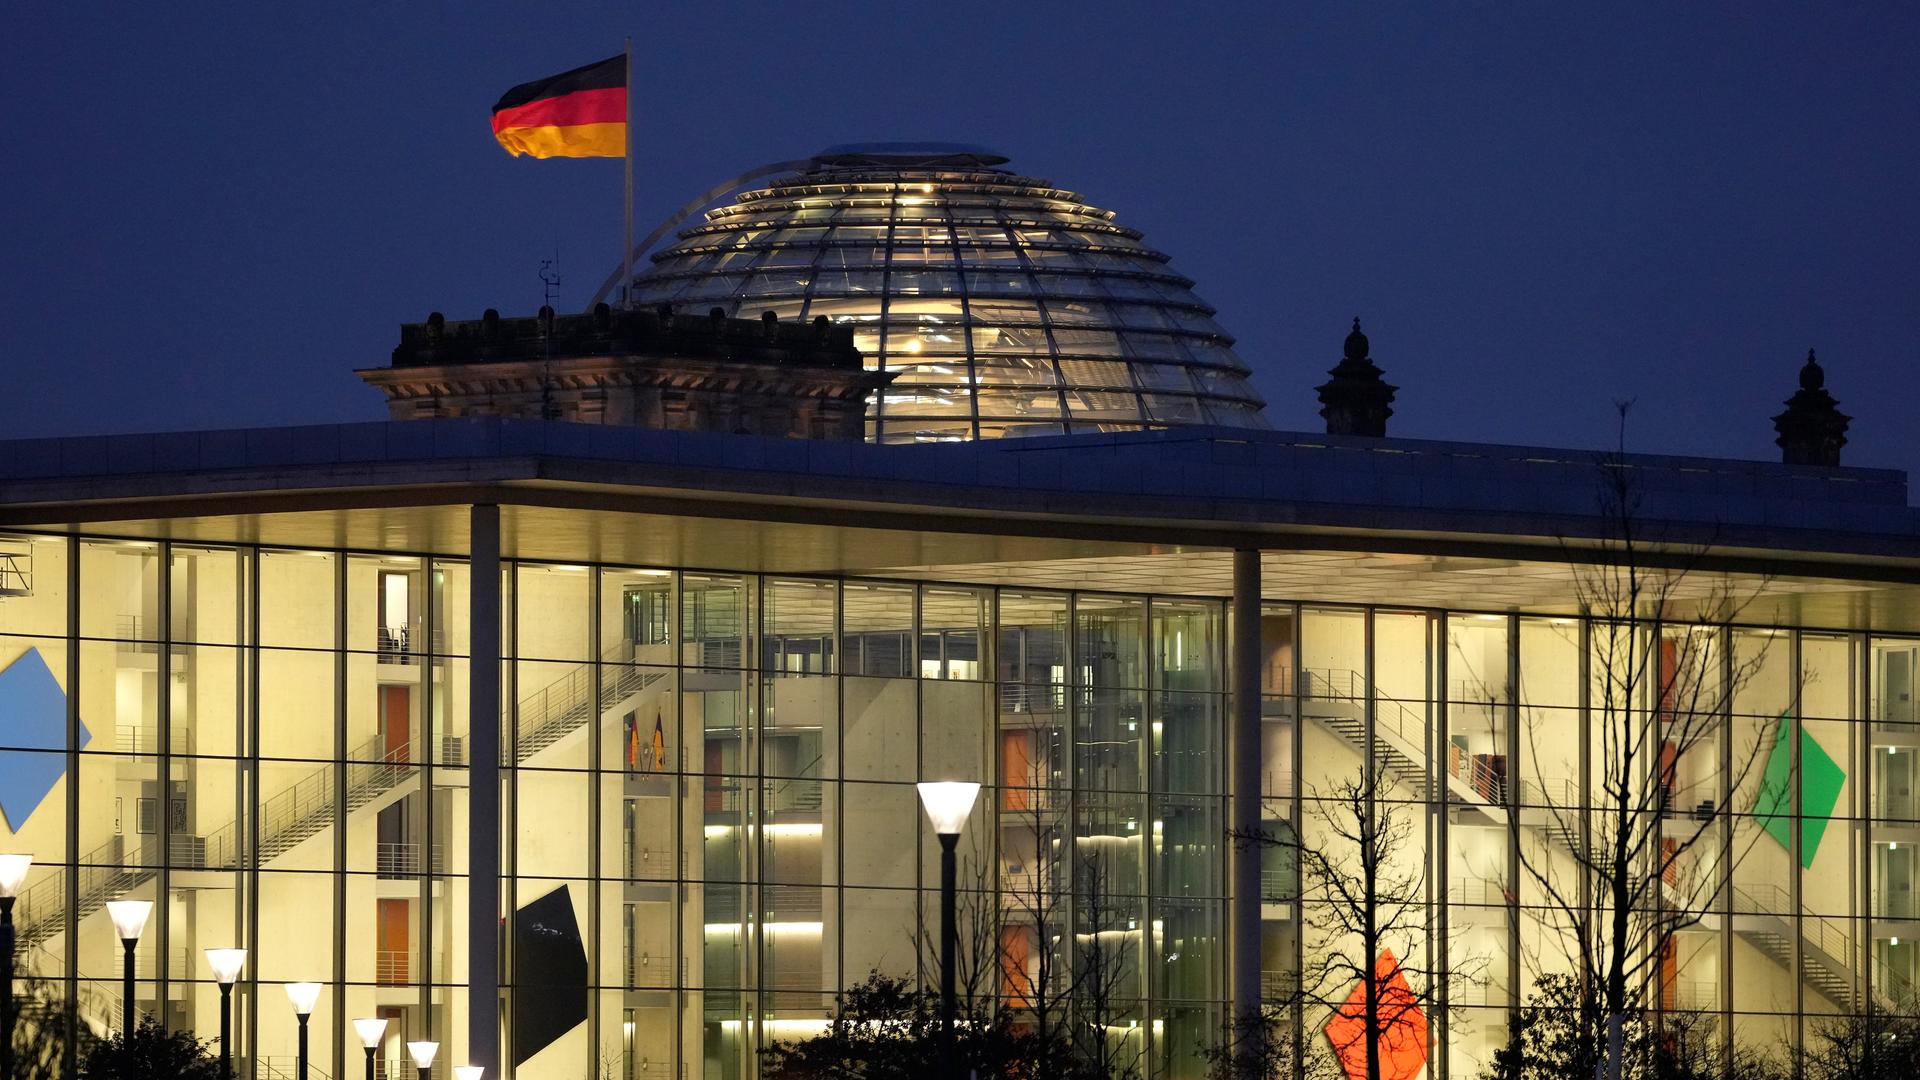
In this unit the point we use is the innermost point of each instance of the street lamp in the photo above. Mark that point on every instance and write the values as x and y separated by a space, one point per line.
422 1053
371 1030
303 996
226 964
13 874
469 1072
129 919
948 802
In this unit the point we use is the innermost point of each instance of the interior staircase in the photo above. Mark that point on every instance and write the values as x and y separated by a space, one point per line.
303 810
1336 699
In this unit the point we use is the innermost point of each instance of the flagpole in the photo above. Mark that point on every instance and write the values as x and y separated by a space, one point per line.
626 250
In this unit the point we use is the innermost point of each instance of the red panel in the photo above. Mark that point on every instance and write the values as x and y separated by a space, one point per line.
1402 1035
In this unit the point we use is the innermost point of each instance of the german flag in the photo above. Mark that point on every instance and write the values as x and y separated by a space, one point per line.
581 113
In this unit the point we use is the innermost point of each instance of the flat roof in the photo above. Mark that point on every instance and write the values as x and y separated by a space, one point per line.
1227 482
1400 521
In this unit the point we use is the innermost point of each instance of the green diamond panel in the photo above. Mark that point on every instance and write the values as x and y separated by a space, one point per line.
1820 782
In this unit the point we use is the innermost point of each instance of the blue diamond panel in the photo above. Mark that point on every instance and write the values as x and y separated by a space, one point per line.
33 713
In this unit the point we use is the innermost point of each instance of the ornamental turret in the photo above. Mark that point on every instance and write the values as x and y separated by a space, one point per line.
1356 400
1812 429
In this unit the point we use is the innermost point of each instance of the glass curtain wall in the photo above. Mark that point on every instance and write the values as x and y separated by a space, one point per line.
1767 812
711 826
708 787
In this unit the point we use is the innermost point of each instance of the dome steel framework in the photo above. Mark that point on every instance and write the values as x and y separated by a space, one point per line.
1007 306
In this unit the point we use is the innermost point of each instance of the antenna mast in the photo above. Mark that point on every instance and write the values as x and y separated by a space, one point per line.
549 290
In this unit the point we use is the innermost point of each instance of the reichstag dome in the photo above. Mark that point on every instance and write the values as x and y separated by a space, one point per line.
1007 306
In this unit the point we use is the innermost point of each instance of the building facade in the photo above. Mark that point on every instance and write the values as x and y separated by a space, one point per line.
654 368
572 718
245 672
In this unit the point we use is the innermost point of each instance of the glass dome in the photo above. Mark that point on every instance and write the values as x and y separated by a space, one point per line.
1007 306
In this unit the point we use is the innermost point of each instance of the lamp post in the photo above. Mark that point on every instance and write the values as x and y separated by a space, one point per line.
948 802
422 1053
303 996
13 874
469 1072
226 964
129 919
371 1030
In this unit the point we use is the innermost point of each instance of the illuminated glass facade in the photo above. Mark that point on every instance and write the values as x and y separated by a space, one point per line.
707 789
1006 305
707 785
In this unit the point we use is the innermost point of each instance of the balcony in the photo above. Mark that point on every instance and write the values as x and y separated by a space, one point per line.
404 860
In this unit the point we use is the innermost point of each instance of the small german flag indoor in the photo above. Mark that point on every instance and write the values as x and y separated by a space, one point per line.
581 113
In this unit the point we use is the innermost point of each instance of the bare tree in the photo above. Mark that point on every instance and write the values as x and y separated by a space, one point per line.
1625 873
1876 1045
1106 957
1070 952
1552 1040
1036 969
1263 1047
1365 900
1362 876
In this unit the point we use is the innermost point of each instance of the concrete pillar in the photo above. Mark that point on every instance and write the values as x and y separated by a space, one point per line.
1243 788
483 795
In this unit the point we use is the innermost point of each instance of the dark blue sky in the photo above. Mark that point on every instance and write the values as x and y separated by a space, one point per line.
211 218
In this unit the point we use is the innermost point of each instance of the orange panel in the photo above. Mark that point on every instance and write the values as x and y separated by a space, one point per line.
1016 769
396 715
1014 947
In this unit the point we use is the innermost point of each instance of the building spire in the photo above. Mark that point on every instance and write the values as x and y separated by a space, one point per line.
1812 429
1356 400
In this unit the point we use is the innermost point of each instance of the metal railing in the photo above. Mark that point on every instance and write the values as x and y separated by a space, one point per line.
1478 892
1550 791
16 572
1278 886
1024 698
146 963
1890 903
395 644
1695 995
561 706
287 1067
103 875
1895 987
403 860
1829 935
392 967
301 811
144 739
1889 807
136 633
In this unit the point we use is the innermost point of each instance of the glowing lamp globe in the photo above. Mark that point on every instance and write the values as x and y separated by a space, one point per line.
370 1029
129 917
948 802
422 1053
226 964
13 874
303 996
468 1072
